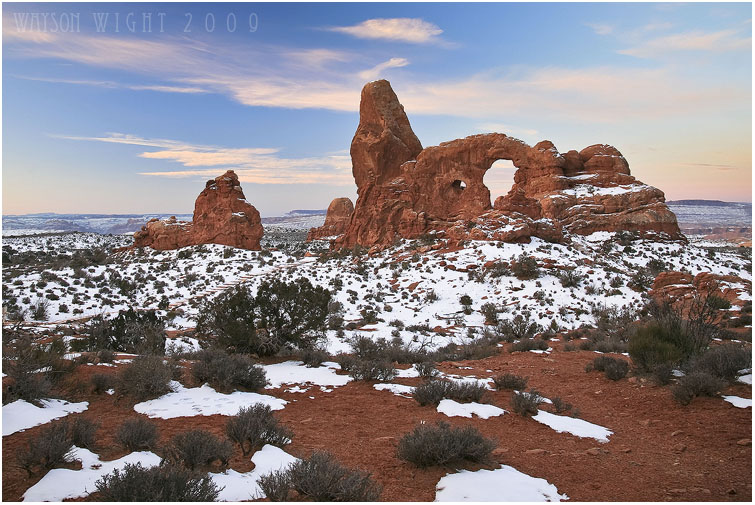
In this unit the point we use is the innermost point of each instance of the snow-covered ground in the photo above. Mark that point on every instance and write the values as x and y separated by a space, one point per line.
505 484
398 284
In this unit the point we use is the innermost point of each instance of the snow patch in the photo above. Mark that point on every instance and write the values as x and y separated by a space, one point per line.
295 372
577 427
500 485
243 486
203 401
738 401
21 415
452 408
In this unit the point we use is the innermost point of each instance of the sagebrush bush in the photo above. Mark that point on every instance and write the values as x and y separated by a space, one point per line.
145 378
230 318
529 344
613 368
164 483
525 267
50 448
255 426
696 384
429 445
372 370
83 432
724 361
521 327
313 357
525 403
321 478
426 369
137 434
510 381
226 372
433 391
198 449
102 382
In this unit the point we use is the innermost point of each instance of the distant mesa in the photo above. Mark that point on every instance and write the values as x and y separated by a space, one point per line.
336 220
221 216
405 191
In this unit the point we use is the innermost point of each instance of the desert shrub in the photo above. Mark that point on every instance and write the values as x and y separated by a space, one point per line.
654 345
724 361
490 311
230 318
105 356
275 485
696 384
525 267
561 406
432 392
662 374
616 369
130 331
32 368
510 381
102 382
225 371
346 361
164 483
529 344
321 478
520 327
525 403
431 445
137 434
83 432
198 449
145 378
426 369
255 426
313 357
50 448
40 309
570 278
466 303
372 370
294 312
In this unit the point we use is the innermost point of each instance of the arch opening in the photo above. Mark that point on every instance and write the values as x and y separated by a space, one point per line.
499 178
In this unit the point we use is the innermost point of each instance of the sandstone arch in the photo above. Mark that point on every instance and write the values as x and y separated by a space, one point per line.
405 191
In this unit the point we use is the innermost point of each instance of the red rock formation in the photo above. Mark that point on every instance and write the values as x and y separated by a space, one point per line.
680 287
405 191
336 220
221 216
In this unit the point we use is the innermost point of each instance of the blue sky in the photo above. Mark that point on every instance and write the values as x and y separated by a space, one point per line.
136 120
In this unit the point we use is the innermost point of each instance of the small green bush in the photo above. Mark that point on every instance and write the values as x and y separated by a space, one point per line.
696 384
50 448
529 344
320 478
226 372
254 426
145 378
165 483
83 432
653 345
198 449
510 381
137 434
433 391
525 403
441 444
372 370
724 361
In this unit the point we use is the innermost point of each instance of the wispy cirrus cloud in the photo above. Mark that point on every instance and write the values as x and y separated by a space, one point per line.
717 41
412 30
258 165
374 72
116 85
601 28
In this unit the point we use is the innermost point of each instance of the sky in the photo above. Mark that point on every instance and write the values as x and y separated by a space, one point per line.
130 108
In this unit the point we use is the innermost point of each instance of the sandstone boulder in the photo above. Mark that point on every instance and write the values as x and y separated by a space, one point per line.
222 215
336 219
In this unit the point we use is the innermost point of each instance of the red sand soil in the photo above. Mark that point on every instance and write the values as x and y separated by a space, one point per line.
660 450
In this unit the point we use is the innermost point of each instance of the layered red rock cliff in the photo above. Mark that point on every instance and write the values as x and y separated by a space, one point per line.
221 216
406 191
336 220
